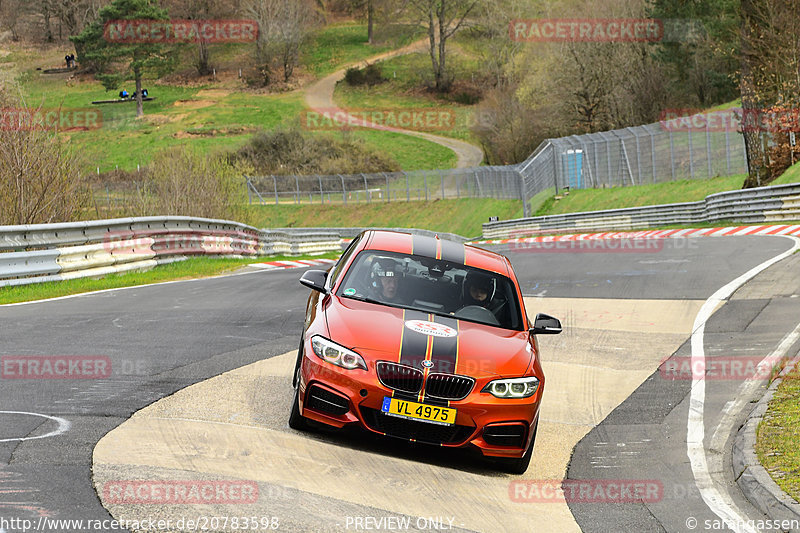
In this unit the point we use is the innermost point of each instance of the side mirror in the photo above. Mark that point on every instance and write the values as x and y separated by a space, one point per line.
546 325
315 279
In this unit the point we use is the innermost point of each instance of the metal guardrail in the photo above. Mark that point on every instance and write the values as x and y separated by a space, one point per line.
763 204
54 252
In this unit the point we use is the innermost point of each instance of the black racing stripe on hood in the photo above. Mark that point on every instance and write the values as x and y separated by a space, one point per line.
414 348
444 351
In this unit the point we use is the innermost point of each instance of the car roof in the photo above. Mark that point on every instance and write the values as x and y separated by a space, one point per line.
435 247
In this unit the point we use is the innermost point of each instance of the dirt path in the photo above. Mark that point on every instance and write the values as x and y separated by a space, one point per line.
319 97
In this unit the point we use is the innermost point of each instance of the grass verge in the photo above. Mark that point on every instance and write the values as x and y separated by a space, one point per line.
463 217
581 200
779 433
193 268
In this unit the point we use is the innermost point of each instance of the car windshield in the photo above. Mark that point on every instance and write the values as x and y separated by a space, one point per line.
433 286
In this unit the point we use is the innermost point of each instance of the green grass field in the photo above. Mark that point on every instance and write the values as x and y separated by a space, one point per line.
402 90
210 116
581 200
463 217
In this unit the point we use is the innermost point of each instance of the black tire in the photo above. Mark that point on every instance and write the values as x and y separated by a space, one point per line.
296 420
296 373
520 466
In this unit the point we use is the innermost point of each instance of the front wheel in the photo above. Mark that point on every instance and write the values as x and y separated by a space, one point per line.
520 466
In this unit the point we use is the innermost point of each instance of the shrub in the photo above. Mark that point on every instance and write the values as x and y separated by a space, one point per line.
371 75
41 178
290 151
181 181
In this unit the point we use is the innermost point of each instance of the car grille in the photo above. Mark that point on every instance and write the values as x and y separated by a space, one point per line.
399 377
412 430
448 386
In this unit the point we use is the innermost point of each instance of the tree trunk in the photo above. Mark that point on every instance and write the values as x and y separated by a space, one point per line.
432 43
370 21
139 105
441 82
754 147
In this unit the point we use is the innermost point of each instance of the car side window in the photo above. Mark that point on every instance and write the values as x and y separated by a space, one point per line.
337 268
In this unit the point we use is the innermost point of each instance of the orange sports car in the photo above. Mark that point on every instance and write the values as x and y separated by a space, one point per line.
424 339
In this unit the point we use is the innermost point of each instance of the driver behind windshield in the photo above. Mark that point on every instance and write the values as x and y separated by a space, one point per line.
386 280
478 289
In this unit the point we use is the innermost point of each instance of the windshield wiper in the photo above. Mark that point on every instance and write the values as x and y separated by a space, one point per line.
364 299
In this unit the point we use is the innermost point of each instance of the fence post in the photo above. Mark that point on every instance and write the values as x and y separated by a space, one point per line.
408 187
344 192
708 149
249 193
638 156
388 191
366 188
691 152
297 188
672 154
526 208
275 182
425 184
555 168
653 153
727 152
321 192
441 175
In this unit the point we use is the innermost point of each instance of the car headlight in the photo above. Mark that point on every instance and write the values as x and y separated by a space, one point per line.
335 354
513 387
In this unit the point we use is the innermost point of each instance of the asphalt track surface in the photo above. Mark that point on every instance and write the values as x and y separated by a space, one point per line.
161 339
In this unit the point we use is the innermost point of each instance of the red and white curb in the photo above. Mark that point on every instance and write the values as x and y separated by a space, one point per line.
285 265
729 231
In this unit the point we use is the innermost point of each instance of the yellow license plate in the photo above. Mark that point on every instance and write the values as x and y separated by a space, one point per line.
430 413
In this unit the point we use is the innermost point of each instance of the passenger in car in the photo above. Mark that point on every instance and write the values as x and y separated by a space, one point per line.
478 289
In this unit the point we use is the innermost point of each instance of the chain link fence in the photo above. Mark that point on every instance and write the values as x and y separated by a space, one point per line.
625 157
633 156
480 182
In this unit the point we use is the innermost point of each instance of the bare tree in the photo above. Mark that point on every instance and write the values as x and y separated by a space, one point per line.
41 179
202 10
283 27
443 19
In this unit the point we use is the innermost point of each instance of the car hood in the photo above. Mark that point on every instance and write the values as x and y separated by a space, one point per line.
380 332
